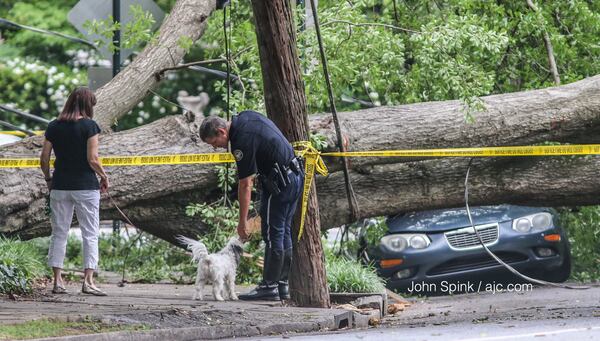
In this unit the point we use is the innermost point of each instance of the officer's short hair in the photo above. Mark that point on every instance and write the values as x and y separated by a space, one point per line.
210 125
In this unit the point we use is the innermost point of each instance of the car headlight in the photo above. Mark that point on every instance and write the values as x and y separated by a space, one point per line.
522 225
538 221
418 241
541 221
399 242
394 242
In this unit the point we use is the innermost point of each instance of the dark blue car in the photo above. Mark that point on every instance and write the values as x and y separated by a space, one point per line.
439 246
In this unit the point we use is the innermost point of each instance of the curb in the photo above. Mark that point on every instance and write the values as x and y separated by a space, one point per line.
339 320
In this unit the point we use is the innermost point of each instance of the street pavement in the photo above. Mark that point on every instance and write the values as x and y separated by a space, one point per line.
555 314
542 313
171 313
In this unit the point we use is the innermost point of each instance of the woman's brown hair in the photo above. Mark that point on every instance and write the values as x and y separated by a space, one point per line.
80 102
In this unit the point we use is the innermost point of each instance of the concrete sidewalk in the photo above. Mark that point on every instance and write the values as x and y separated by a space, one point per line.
171 313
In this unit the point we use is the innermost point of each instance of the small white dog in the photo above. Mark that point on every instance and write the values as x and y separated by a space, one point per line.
217 268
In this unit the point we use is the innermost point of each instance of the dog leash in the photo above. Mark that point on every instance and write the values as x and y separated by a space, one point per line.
140 233
127 220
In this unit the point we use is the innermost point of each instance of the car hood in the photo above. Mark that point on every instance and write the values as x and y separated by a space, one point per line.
454 218
6 139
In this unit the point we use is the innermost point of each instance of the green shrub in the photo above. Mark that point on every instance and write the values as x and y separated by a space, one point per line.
13 280
145 258
36 87
20 266
583 230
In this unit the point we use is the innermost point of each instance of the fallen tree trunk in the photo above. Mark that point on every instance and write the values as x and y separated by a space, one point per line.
155 196
534 181
569 113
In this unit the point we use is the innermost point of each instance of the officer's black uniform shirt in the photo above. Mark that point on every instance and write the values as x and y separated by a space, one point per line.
257 143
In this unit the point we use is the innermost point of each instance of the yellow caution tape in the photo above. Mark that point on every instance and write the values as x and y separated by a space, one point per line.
20 133
142 160
314 162
177 159
581 149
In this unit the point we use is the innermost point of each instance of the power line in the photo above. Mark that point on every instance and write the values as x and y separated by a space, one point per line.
14 127
12 24
24 114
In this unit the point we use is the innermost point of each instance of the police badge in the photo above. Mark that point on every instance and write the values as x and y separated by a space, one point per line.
238 155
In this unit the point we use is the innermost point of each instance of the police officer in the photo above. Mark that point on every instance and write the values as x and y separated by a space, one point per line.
260 149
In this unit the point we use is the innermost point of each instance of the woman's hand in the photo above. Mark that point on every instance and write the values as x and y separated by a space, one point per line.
104 185
49 184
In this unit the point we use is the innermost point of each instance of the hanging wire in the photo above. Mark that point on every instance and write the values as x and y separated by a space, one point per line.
227 108
352 202
228 57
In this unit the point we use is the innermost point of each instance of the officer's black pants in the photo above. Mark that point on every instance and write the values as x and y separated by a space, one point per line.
277 212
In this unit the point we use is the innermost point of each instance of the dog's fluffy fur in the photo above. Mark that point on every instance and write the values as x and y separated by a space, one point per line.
217 268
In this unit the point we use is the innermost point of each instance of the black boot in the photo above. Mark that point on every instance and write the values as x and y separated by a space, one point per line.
268 289
284 288
263 292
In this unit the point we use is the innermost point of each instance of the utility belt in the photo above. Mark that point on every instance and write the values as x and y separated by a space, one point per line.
278 178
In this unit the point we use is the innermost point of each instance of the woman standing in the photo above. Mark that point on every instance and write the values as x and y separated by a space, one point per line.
74 186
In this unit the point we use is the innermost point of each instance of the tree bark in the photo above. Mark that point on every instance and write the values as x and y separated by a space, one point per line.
285 101
422 185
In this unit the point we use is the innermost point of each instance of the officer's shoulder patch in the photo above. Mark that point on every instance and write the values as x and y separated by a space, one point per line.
238 155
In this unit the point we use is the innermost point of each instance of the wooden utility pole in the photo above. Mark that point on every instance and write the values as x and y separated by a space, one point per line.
285 101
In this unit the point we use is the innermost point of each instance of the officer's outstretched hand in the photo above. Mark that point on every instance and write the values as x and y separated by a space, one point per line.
241 230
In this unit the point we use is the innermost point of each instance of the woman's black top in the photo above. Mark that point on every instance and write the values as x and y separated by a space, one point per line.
71 168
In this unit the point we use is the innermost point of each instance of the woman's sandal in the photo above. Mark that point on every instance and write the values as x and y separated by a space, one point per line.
59 289
92 290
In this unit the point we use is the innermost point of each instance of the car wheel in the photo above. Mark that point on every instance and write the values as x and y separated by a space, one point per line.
560 274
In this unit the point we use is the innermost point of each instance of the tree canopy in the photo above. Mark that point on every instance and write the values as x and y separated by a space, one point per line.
380 53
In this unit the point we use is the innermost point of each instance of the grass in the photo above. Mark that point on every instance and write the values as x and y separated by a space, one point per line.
21 264
349 276
53 328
